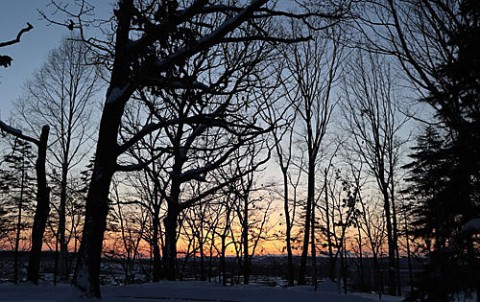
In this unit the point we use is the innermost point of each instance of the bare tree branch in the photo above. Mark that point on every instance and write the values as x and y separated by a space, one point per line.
18 133
19 35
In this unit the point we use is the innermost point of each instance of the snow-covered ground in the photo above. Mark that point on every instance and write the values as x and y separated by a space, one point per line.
186 291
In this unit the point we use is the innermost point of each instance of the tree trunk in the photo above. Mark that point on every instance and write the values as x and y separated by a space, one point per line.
378 278
288 230
19 225
87 274
360 257
42 210
62 262
170 253
210 258
223 265
246 255
331 262
395 243
314 251
87 271
391 246
157 261
409 254
308 212
203 276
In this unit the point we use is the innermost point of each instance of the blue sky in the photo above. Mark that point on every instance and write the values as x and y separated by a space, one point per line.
32 51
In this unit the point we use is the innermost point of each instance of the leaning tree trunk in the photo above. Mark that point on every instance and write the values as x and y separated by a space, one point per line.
42 210
87 271
223 264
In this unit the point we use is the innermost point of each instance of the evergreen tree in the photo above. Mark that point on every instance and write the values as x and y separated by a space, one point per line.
18 190
445 172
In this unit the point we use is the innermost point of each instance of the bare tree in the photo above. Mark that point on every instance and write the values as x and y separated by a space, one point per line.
61 95
147 184
127 225
151 40
372 224
374 120
227 213
283 135
313 67
248 199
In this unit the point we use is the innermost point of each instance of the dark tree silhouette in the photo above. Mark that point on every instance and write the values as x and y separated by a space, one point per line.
314 67
43 199
61 94
6 61
42 209
437 45
18 186
150 41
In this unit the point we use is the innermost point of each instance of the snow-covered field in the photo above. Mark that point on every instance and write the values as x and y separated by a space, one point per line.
186 291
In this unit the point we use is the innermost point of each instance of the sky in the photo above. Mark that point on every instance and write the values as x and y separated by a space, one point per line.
28 55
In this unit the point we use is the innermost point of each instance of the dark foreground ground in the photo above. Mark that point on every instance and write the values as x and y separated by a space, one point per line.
265 270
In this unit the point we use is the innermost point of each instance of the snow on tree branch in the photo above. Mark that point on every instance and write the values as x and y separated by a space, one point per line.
116 94
17 133
216 36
